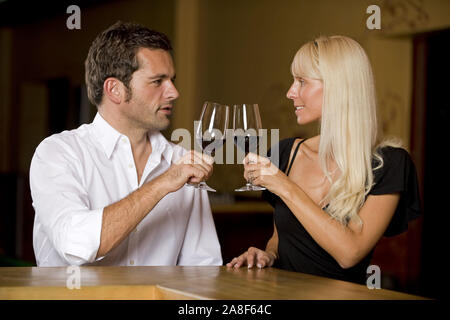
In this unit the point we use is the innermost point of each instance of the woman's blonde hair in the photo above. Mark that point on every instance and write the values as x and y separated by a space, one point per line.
348 126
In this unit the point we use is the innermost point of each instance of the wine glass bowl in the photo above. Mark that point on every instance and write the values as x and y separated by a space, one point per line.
210 131
247 135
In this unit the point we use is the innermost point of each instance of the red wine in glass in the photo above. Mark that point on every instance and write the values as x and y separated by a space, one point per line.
247 143
246 130
210 132
209 146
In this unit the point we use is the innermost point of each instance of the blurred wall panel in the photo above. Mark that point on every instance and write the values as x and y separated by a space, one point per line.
392 62
87 110
186 46
5 96
33 119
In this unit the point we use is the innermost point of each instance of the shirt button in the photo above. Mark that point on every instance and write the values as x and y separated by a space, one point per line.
130 166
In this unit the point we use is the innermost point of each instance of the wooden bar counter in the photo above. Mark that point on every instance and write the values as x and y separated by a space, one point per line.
178 283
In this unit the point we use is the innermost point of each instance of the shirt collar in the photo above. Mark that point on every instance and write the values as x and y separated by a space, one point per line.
108 138
160 145
106 134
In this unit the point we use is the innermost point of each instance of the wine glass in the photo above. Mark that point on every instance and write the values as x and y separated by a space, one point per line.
247 134
210 131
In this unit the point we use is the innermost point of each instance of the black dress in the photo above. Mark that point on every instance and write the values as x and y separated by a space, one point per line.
298 251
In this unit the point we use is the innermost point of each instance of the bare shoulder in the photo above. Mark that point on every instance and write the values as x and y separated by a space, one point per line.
294 146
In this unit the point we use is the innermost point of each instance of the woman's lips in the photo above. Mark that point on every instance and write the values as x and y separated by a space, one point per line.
298 109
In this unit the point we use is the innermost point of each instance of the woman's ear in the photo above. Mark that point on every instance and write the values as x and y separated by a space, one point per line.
113 90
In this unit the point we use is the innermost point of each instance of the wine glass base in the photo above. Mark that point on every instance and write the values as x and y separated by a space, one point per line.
202 186
207 188
250 187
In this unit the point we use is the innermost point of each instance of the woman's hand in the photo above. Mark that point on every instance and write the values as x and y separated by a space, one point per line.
253 256
260 171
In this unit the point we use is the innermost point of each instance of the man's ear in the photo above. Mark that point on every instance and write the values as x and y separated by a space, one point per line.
114 90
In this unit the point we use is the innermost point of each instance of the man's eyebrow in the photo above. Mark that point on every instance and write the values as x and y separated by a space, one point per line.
158 76
161 76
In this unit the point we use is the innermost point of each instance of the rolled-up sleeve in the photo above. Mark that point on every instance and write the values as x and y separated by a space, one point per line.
201 245
66 220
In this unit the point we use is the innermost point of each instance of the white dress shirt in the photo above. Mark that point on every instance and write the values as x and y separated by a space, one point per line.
75 174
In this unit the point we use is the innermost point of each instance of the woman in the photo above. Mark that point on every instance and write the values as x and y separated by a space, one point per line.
336 194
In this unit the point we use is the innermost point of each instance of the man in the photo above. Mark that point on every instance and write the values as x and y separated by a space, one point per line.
114 192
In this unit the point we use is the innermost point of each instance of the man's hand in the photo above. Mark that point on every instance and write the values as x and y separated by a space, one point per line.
193 167
120 218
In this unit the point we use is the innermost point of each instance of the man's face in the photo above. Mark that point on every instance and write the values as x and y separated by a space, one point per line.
152 91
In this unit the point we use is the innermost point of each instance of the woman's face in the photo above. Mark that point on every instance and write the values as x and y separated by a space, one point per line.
307 95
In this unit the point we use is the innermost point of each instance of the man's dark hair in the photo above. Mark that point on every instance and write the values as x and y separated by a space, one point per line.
113 54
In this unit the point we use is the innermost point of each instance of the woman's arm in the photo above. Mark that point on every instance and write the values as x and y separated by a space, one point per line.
347 244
